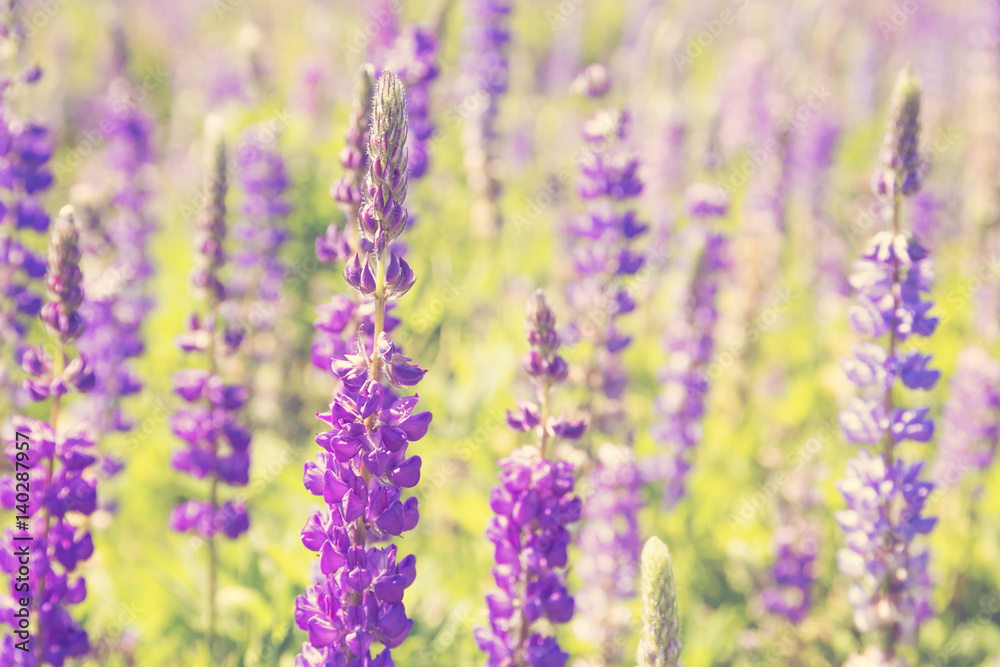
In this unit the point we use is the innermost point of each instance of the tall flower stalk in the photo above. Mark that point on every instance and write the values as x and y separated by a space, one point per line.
533 505
117 239
690 343
659 639
487 39
55 463
254 293
795 543
25 150
605 259
413 58
885 496
363 467
336 246
971 423
216 443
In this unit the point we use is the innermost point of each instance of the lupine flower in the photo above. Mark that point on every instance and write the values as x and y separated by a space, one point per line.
255 290
338 321
609 544
216 443
885 496
486 40
659 639
116 310
690 341
594 81
25 149
791 593
56 465
413 58
604 258
533 504
363 466
971 418
337 246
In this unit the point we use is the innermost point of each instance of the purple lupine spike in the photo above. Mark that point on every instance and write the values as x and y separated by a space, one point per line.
605 258
533 505
791 594
339 320
690 341
413 58
25 150
117 309
254 293
609 541
971 424
357 603
336 245
55 463
885 496
486 41
796 542
216 444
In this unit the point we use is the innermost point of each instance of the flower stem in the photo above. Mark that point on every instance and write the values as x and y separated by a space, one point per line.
893 632
49 471
213 568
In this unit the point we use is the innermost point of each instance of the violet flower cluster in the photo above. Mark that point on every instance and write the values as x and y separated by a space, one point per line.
791 593
971 423
118 307
336 246
690 342
25 150
609 542
885 496
255 290
363 466
413 58
533 505
338 321
216 443
56 465
604 258
486 41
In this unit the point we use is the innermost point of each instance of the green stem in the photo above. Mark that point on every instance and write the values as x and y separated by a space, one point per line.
49 471
894 631
543 414
361 530
213 568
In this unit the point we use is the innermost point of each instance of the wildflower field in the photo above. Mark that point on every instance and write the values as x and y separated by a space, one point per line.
478 332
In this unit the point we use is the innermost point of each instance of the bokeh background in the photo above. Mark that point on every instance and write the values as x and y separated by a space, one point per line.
706 94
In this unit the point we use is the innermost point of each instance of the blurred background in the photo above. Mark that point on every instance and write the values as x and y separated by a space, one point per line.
781 104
